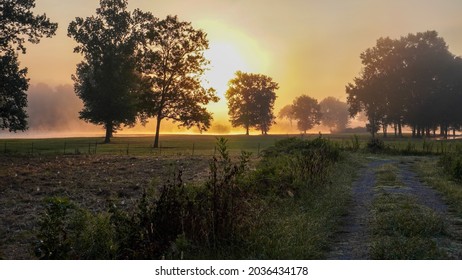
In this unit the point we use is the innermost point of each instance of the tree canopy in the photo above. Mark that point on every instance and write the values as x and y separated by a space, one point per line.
173 63
334 113
413 81
307 112
17 22
107 79
251 101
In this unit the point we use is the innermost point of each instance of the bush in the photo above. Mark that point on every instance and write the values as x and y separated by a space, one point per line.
375 145
294 164
452 164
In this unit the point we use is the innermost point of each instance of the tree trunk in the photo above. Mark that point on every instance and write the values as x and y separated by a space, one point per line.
246 130
156 138
400 129
109 129
385 130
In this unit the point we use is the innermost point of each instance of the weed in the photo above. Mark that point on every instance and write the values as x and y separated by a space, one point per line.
403 229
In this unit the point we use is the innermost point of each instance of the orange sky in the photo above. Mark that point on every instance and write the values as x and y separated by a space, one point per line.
307 46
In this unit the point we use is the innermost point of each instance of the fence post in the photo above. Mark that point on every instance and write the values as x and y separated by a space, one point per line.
128 148
4 148
89 148
193 149
64 151
32 149
96 145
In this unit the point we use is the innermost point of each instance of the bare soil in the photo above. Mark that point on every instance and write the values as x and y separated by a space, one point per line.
89 181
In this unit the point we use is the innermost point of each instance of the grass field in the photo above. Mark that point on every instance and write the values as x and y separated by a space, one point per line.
204 145
137 145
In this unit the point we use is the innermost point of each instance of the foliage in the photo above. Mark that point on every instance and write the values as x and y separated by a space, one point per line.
307 112
17 23
251 100
334 114
413 81
375 145
295 164
53 239
107 80
174 62
13 97
286 113
452 164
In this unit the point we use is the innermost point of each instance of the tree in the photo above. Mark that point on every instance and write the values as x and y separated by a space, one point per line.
251 101
407 81
286 113
307 112
174 63
17 22
334 114
13 97
107 80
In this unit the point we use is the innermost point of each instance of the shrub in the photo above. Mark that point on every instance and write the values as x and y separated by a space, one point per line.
375 145
452 164
294 163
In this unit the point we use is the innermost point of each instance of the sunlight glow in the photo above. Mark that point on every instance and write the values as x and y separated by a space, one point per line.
225 60
231 50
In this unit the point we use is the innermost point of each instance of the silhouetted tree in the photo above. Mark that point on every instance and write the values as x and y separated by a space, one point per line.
174 63
407 81
334 114
286 113
307 112
107 80
251 101
17 23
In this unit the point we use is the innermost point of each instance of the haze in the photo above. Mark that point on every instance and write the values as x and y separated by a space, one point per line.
308 47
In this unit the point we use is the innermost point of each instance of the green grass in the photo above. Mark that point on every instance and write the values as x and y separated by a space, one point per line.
141 145
184 144
302 228
434 175
400 227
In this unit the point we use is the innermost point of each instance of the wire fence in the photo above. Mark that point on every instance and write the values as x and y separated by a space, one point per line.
37 148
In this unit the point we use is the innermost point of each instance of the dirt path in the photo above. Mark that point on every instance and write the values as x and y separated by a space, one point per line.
352 240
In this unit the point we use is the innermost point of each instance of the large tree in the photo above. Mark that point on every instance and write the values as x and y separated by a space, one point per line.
307 112
107 79
174 63
251 101
17 23
334 114
411 80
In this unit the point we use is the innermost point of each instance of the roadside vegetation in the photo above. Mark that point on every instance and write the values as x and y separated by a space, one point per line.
280 209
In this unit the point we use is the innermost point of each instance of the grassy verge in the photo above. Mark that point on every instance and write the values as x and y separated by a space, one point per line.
434 175
302 228
401 228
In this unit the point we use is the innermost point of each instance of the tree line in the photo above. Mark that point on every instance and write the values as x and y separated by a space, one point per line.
412 81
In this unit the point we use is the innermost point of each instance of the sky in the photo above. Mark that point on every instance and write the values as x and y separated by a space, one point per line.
307 46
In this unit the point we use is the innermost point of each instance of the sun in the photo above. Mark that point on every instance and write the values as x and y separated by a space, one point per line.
230 50
225 59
